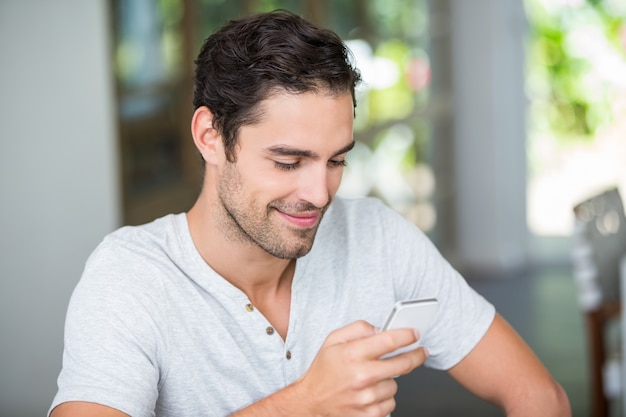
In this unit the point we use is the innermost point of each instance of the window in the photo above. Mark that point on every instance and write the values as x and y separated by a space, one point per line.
577 92
159 168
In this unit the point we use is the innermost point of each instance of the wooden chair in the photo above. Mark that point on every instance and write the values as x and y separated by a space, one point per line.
598 247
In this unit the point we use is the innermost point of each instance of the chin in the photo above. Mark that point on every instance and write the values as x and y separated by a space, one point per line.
290 253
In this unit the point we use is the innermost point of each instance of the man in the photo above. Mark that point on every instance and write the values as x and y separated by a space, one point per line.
251 304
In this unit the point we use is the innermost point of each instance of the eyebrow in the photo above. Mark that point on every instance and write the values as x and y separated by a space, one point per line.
285 150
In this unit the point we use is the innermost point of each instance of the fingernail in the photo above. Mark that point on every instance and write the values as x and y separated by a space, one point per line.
426 352
417 334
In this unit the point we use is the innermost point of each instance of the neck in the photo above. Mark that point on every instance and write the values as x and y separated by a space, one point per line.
265 279
245 265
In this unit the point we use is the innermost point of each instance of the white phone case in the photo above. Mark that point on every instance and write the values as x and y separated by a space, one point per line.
412 314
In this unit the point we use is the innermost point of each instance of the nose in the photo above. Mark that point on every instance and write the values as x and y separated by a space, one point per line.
314 186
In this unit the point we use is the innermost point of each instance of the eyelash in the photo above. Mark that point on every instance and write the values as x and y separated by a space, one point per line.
289 167
286 167
341 163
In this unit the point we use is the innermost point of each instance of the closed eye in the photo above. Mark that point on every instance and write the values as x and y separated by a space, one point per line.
336 164
286 167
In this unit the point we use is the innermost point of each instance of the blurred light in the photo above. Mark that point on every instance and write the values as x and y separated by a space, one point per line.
615 8
557 6
377 73
423 215
608 224
387 161
590 43
358 175
418 74
422 180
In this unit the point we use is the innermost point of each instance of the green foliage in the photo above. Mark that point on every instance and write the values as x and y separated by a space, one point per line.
567 77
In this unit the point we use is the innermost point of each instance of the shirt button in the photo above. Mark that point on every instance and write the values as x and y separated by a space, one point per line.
249 307
269 330
288 355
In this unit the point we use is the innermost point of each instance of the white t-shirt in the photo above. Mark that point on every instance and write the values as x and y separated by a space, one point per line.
153 330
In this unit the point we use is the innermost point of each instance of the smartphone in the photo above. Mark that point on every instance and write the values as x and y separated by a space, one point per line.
412 314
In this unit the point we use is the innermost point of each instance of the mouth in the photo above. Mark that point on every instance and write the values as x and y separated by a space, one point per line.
302 219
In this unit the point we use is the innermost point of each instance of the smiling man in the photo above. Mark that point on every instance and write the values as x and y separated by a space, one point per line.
265 298
285 174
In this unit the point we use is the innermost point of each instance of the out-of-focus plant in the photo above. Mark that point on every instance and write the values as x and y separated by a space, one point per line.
576 65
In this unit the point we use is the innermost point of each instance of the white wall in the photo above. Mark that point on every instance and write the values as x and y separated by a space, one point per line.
490 137
58 185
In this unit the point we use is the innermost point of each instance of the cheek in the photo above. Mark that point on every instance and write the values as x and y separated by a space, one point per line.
265 184
334 180
277 187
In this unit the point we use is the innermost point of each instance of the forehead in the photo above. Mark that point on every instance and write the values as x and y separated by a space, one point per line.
315 117
311 99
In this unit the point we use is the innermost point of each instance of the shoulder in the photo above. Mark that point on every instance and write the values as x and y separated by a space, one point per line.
349 206
359 210
148 241
146 236
367 217
132 258
124 282
367 231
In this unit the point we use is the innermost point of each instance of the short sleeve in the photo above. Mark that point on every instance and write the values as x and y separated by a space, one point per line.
464 316
114 350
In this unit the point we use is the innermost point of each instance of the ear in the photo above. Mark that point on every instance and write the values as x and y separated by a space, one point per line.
206 138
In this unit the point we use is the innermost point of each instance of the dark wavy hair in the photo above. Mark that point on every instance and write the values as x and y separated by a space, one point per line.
249 59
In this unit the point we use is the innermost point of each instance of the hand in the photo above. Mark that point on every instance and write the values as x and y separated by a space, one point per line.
347 377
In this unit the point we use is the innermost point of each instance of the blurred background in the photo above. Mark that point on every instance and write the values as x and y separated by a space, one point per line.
484 122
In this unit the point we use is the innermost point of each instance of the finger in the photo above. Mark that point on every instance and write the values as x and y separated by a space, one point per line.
376 393
396 366
386 407
379 344
404 363
385 389
353 331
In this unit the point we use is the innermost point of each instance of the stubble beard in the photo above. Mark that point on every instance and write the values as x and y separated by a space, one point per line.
244 220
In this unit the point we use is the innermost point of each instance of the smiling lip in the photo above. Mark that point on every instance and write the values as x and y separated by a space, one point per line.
305 219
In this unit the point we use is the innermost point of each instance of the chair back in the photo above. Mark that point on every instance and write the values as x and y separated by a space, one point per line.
598 247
